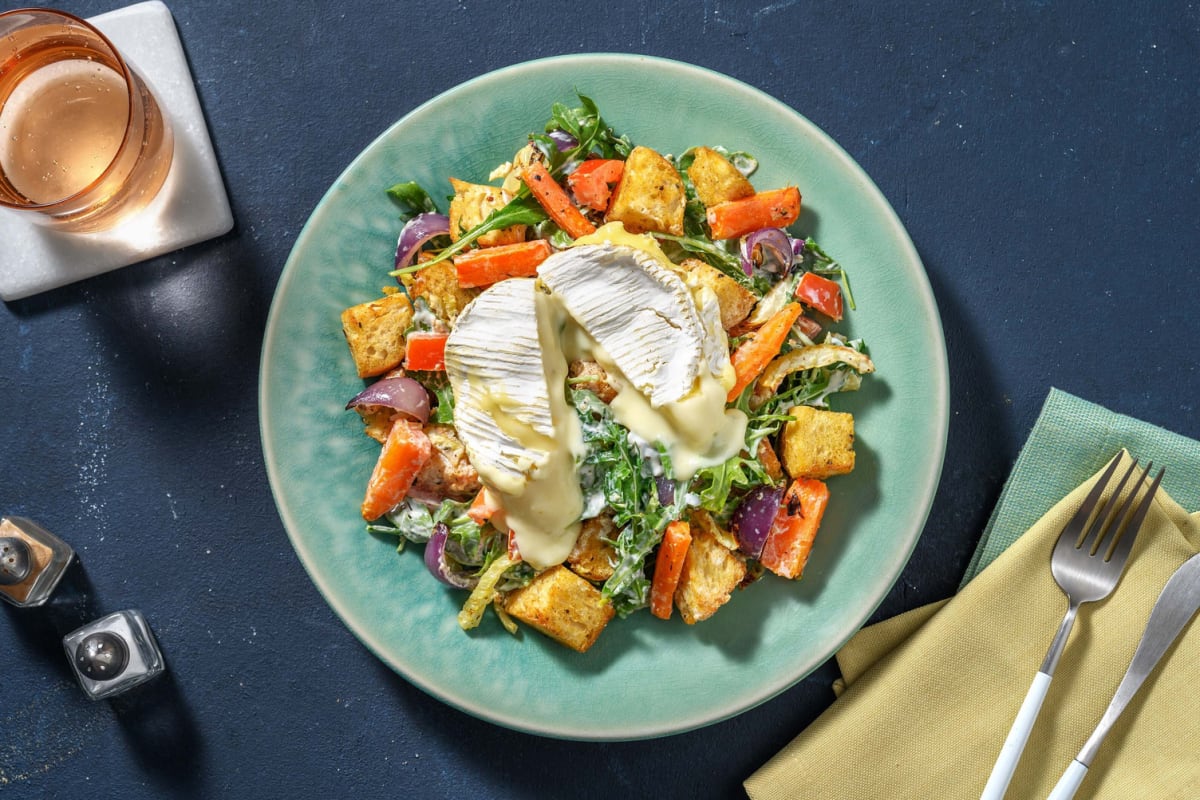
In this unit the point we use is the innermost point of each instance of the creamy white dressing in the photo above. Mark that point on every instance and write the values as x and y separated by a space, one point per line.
544 507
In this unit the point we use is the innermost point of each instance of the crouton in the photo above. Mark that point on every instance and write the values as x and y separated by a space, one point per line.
438 284
563 606
448 472
817 444
715 179
649 196
375 333
472 204
592 376
593 557
735 301
711 572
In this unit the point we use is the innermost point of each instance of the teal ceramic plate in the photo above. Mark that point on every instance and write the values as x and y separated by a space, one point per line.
643 678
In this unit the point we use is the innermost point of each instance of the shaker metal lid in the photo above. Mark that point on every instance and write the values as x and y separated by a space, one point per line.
102 656
15 561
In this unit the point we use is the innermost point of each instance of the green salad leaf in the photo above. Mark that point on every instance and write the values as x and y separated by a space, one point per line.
412 199
591 132
614 466
522 210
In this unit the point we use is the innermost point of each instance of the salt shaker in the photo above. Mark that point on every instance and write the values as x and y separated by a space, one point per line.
32 561
113 654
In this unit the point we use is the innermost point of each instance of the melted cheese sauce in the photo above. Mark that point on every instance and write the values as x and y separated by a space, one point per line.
697 431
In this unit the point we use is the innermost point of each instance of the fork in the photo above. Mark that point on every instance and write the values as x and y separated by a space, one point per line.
1086 571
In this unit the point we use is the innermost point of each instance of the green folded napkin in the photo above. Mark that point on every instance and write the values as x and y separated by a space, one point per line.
928 697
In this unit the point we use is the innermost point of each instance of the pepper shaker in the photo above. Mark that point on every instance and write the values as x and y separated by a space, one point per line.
113 654
32 561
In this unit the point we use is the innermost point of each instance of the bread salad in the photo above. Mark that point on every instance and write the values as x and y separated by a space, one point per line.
601 382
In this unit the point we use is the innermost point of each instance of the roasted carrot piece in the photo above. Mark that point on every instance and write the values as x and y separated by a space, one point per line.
489 265
555 201
751 357
592 181
425 351
404 453
795 527
776 208
820 293
669 564
484 506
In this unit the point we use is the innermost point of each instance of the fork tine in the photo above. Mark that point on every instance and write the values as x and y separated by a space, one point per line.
1125 543
1074 528
1105 515
1119 522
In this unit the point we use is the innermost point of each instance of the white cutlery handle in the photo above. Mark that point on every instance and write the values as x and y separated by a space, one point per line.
1010 753
1069 782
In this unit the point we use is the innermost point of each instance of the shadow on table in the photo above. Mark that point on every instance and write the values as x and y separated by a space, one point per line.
154 716
41 629
162 734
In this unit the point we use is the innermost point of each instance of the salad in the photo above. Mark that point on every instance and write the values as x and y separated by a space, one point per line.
601 382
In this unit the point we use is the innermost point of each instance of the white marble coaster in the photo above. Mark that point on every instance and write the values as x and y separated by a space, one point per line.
191 207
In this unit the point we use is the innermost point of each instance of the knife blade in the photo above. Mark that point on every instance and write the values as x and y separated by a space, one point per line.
1175 607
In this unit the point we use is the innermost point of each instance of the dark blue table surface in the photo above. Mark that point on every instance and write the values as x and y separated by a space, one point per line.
1043 156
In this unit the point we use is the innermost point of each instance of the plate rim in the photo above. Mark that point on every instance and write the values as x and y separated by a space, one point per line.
938 373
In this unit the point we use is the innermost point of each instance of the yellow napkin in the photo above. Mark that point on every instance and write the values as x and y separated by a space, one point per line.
929 696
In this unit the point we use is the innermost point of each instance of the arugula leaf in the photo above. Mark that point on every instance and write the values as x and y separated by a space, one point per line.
412 199
695 220
439 386
522 210
590 130
615 466
728 262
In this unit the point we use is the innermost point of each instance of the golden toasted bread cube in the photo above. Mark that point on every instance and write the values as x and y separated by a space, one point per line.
375 333
438 284
563 606
472 204
593 557
717 180
817 444
711 571
735 301
649 196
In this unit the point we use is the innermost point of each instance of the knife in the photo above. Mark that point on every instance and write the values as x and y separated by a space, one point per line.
1173 610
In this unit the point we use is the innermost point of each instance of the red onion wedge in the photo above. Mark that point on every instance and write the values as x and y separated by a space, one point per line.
775 251
402 394
416 232
563 140
435 560
752 521
666 489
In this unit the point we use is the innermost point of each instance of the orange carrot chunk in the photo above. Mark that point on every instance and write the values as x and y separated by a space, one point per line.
751 357
489 265
404 453
776 208
592 182
554 199
425 351
668 566
792 533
